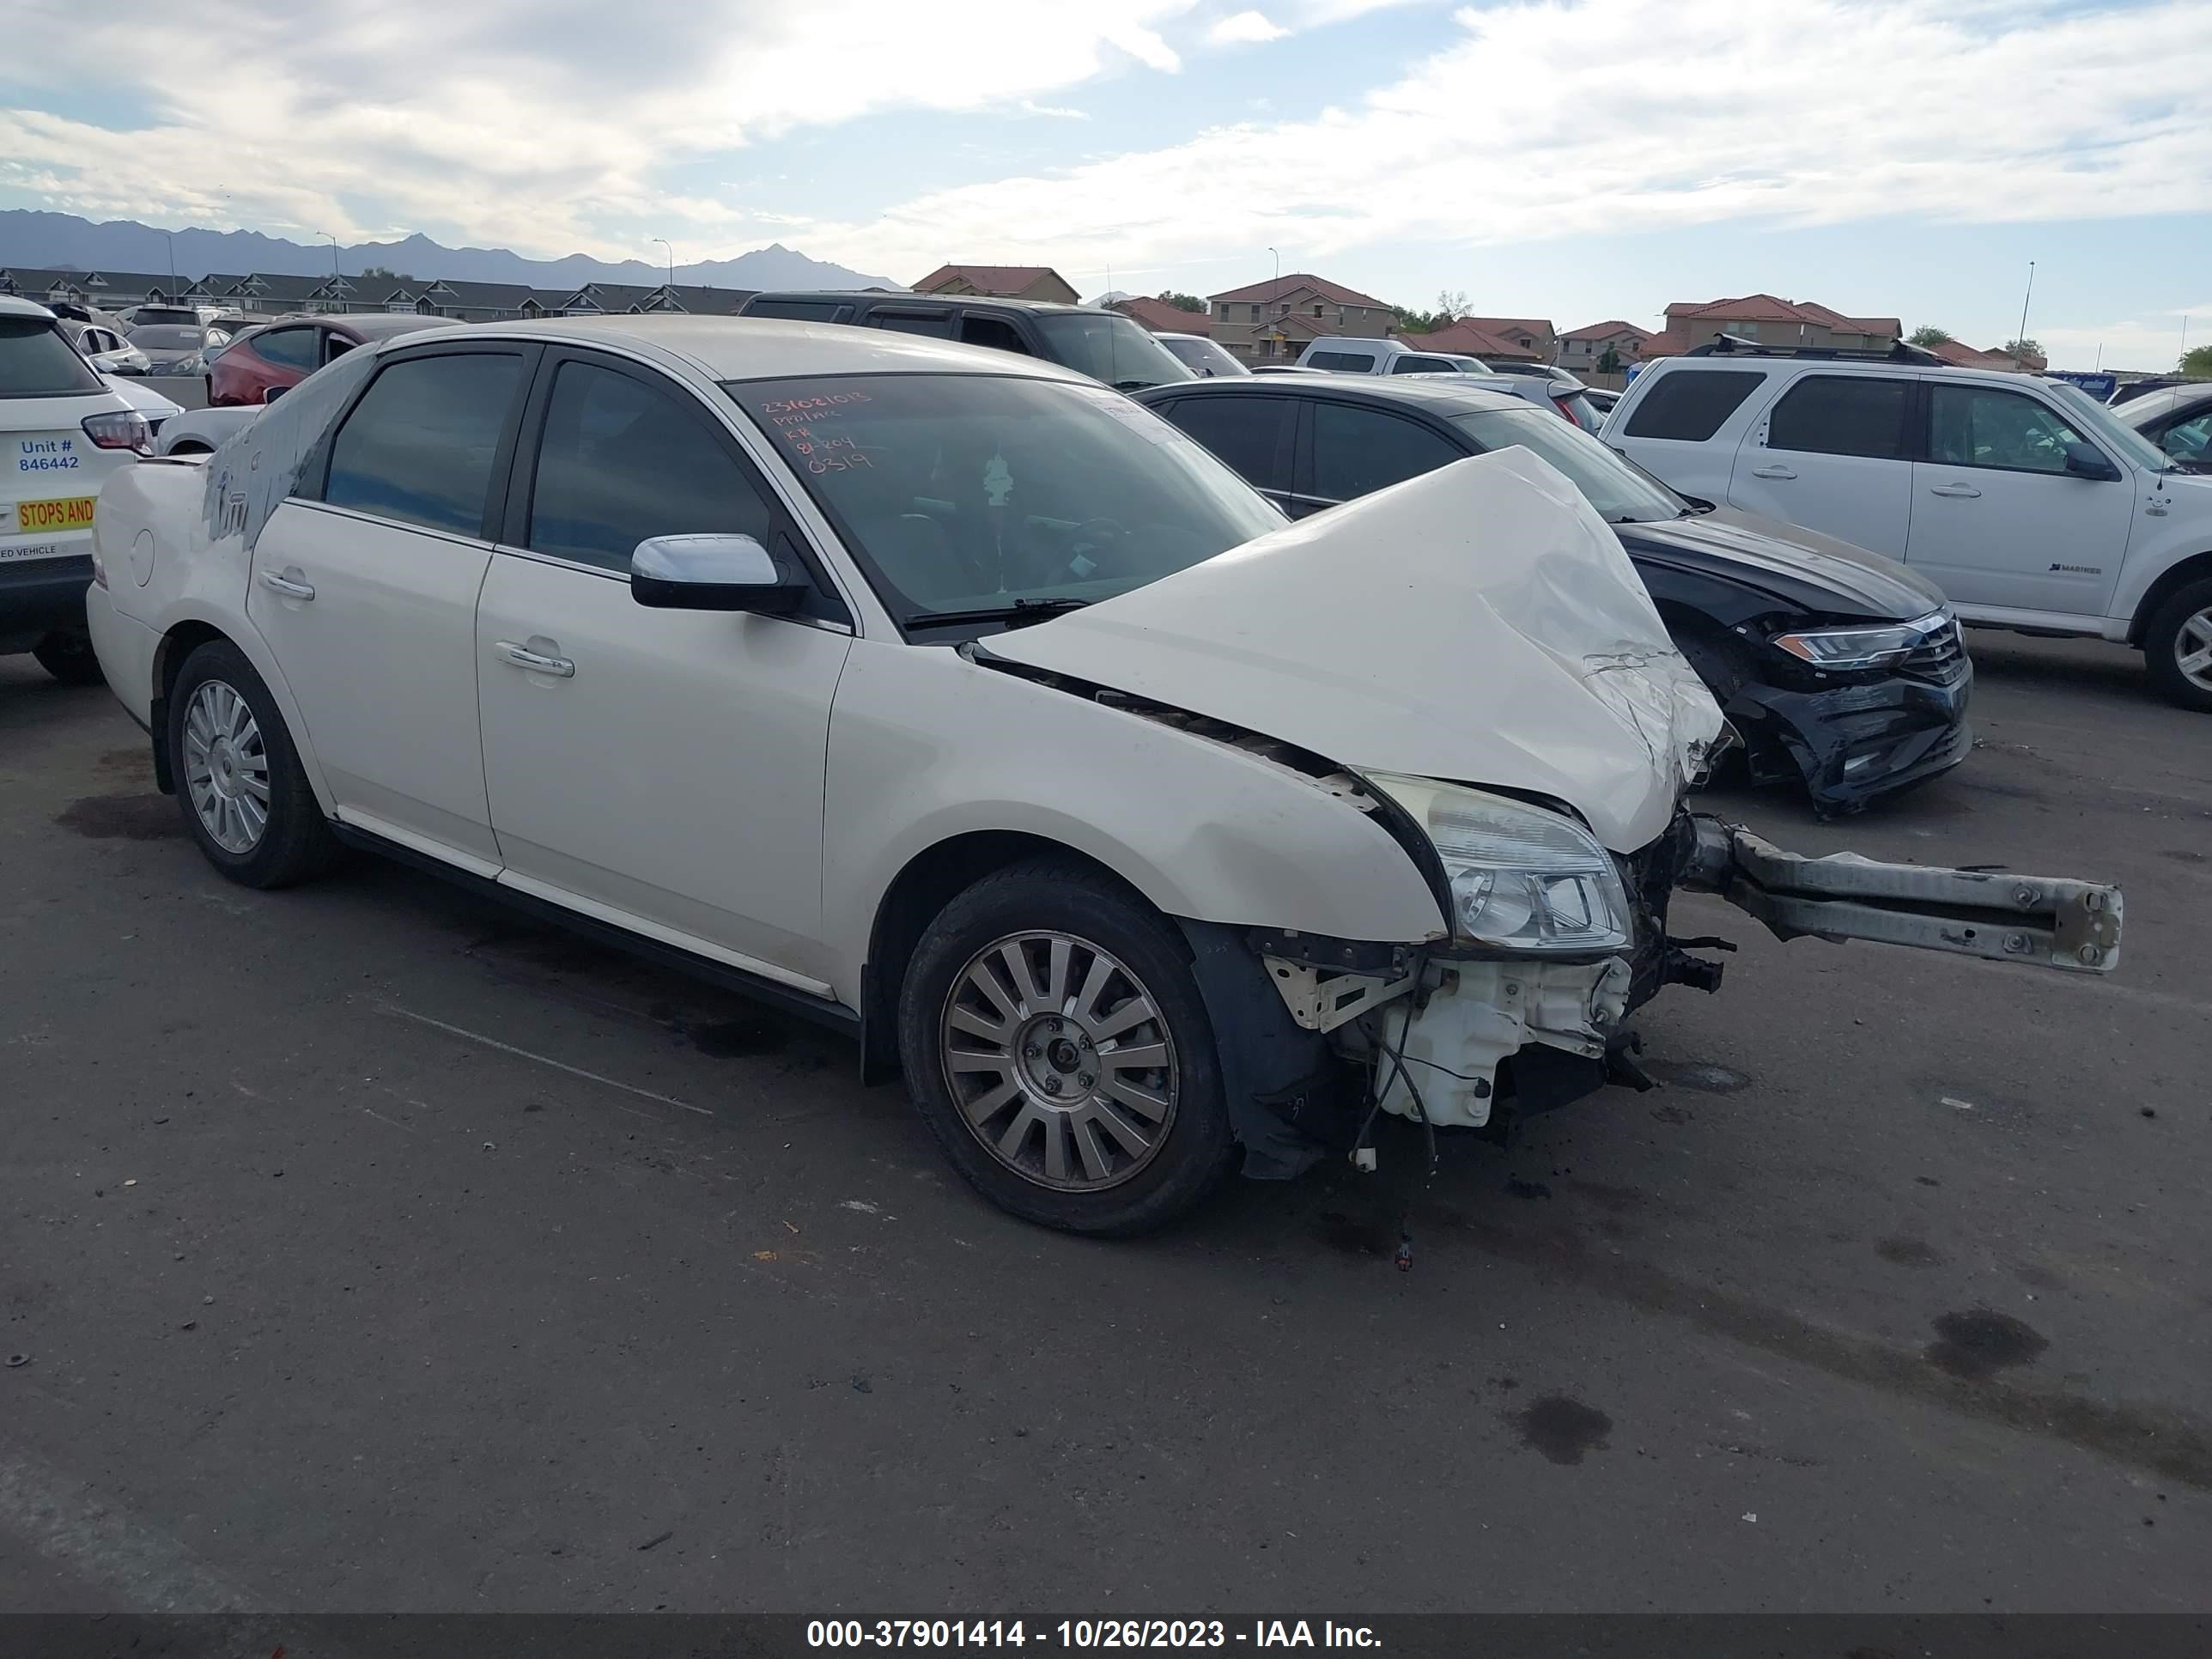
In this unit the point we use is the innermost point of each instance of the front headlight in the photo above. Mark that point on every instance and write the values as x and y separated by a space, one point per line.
1521 878
1861 647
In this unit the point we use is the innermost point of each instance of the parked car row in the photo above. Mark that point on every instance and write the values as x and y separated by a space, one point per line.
952 699
2030 505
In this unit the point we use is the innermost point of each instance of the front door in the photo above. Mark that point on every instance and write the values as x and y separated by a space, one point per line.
1832 455
1997 520
368 596
662 769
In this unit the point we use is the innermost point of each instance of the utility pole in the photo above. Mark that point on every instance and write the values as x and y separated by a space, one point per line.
172 242
1275 290
2024 299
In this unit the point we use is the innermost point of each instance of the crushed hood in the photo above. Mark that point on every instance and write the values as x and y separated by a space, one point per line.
1477 624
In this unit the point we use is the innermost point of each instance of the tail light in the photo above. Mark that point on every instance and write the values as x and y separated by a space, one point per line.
127 430
99 564
1566 413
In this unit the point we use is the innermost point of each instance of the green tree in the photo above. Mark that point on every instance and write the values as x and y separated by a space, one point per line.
1183 301
2197 360
2023 348
1609 362
1928 335
387 274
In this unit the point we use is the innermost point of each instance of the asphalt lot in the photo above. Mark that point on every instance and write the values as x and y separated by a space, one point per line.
372 1249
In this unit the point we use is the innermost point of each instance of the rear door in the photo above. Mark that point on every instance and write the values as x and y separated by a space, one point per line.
1349 450
1685 424
1832 454
1252 433
1997 518
365 586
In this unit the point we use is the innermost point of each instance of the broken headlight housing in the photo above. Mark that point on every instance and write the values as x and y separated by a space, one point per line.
1520 879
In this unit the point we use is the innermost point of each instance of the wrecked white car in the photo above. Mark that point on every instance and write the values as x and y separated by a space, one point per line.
956 700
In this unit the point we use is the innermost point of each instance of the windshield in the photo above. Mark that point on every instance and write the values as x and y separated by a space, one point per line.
38 361
166 337
970 492
1205 357
1107 346
2093 417
1620 495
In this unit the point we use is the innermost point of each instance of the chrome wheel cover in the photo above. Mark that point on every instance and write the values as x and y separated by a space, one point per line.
226 767
1058 1060
2192 650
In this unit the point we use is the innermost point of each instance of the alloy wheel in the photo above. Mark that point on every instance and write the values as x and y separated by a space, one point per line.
226 767
1058 1060
2192 649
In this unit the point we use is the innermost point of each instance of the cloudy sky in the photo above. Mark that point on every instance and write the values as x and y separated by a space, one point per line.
1572 161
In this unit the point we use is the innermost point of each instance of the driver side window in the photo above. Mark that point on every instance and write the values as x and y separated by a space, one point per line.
1981 426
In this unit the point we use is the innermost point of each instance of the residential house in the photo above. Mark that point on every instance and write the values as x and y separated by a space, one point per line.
1960 355
1162 318
1582 348
1768 321
1001 282
1533 335
1275 321
270 293
101 290
1467 338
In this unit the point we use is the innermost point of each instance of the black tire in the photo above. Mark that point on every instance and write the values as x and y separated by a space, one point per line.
69 657
2163 649
295 842
1196 1148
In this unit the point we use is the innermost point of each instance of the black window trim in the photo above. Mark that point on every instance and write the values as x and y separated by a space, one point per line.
318 465
1303 477
1909 426
1925 455
1032 342
828 609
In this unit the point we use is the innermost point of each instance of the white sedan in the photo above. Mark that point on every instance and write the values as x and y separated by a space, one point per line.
953 700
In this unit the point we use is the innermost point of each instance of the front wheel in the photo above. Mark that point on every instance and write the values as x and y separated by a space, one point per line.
246 799
2177 647
1055 1042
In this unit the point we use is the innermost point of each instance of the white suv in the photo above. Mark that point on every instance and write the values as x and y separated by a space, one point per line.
2027 503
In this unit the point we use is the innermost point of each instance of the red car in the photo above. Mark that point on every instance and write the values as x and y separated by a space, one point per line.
275 356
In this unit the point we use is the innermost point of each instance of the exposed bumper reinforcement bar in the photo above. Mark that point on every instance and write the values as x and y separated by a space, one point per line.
2056 923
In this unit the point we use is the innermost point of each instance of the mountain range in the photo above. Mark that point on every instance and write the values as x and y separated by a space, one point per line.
61 241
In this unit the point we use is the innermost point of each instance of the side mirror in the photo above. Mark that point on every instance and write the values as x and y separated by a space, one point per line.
714 572
2086 461
273 393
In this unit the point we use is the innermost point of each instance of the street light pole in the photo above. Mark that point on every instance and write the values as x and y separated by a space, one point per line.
666 243
172 242
2021 338
1275 290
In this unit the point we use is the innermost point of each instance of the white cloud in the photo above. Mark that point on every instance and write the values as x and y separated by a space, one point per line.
2147 343
1245 25
1683 114
1030 107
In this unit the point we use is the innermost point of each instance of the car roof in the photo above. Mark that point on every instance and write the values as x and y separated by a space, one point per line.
766 348
14 306
900 296
1438 396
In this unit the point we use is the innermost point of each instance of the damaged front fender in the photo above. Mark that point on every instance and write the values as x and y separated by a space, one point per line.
2051 921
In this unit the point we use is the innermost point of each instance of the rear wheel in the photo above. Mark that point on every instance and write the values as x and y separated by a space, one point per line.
244 797
2177 647
69 657
1055 1042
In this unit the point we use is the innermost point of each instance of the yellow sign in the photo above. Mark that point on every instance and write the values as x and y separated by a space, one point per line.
71 513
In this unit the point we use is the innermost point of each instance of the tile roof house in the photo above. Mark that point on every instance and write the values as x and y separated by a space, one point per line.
1002 282
1468 339
1274 320
1162 318
1581 348
1960 355
1769 321
1531 334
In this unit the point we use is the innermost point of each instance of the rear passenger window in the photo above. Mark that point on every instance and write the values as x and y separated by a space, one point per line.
1423 366
1356 450
1245 432
1692 403
419 446
1349 362
938 325
1841 415
992 332
621 461
286 348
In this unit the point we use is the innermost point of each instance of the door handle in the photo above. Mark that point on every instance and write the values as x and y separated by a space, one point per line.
289 584
521 656
1771 473
1957 491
